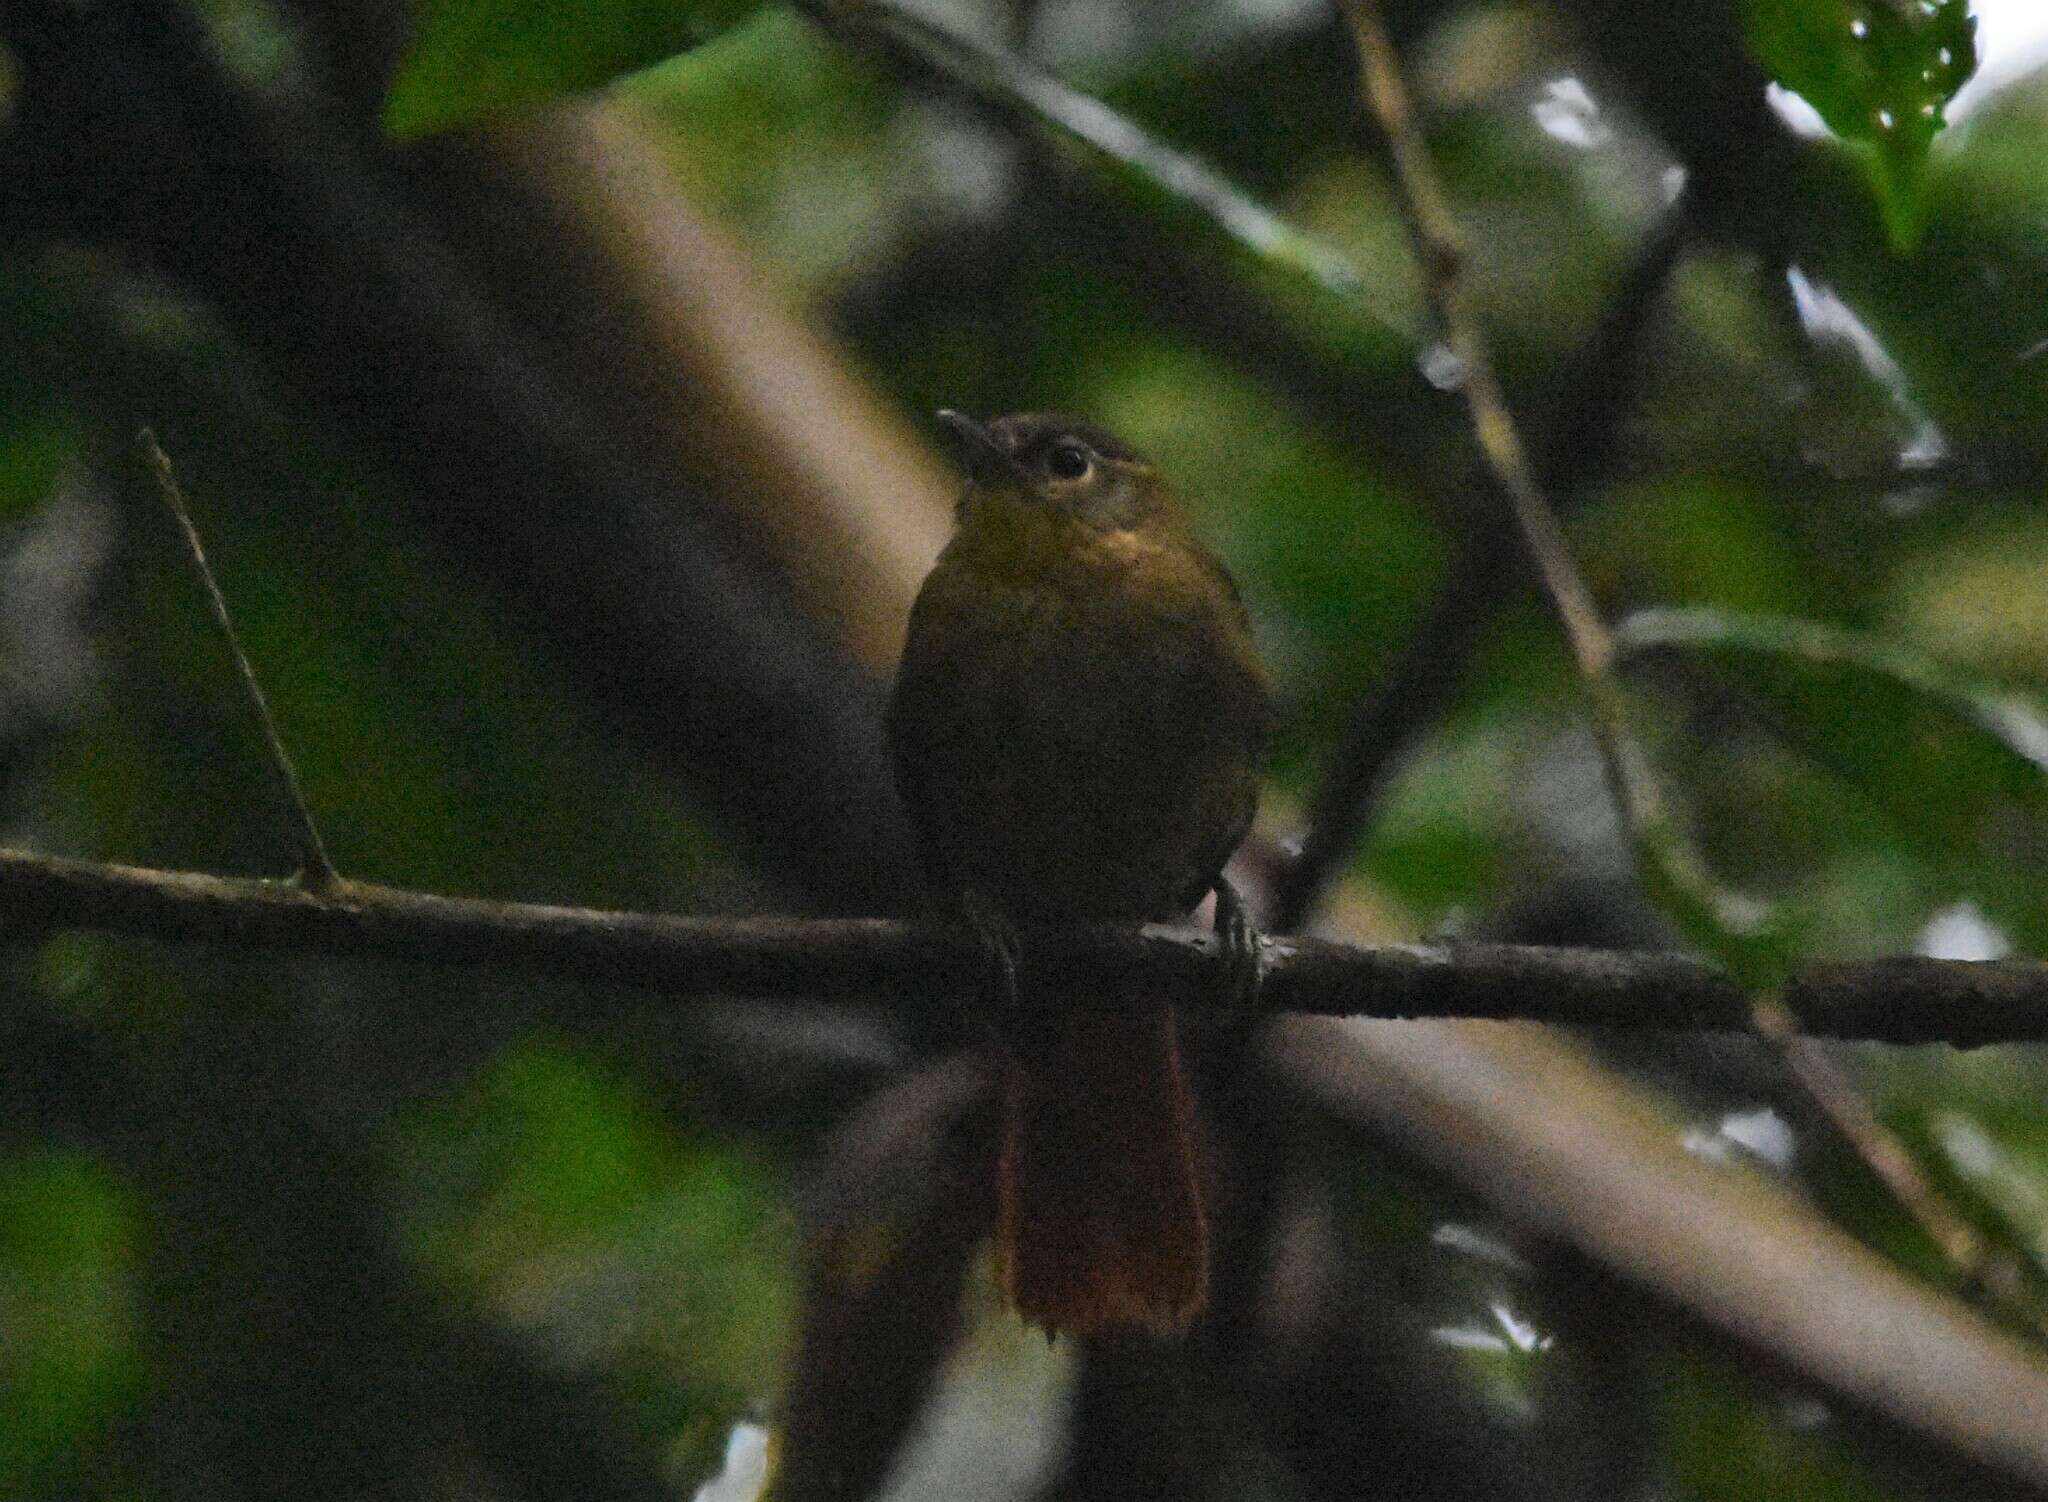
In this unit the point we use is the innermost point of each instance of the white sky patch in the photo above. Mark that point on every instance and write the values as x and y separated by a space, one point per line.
1510 1332
1760 1136
1763 1132
2012 41
1520 1334
1479 1242
1962 932
1440 366
1568 113
746 1467
1793 109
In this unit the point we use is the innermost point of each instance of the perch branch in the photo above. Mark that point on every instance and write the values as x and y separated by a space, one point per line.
1902 1000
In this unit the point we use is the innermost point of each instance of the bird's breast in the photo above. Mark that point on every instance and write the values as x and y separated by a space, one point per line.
1076 758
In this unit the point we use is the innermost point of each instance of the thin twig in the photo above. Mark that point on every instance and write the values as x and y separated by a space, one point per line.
316 871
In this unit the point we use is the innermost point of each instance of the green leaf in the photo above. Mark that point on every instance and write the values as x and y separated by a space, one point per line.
1167 177
473 58
71 1245
1727 1436
1881 73
1948 761
556 1186
2014 722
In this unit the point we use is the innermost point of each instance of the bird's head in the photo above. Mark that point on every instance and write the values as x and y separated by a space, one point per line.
1046 459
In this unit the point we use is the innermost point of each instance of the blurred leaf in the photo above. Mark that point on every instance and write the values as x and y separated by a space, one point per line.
31 459
1947 759
555 1190
69 1245
2002 1159
1977 592
472 58
787 139
1732 1438
1440 841
1708 538
1973 1120
1172 176
2012 721
1880 72
1192 85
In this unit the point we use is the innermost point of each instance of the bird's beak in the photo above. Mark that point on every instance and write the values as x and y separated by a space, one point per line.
987 462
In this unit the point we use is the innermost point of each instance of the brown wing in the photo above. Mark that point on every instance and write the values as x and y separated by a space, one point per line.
1246 703
921 730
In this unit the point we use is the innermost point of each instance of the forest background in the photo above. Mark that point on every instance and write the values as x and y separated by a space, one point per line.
551 385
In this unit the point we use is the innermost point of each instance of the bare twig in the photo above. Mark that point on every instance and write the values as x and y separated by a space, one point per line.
1483 572
1902 1000
316 871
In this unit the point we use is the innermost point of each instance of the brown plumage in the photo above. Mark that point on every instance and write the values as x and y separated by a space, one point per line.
1077 728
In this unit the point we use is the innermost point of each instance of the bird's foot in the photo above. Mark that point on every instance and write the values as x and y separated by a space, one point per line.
1002 1013
1240 940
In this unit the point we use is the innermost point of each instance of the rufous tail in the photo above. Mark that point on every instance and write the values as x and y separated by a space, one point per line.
1099 1215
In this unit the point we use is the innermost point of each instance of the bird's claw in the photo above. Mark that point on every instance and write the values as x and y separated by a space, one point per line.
1240 940
1002 1012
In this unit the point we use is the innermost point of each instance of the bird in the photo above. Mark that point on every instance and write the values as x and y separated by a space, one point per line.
1077 727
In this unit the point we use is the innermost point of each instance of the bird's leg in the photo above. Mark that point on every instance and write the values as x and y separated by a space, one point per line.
1240 940
997 936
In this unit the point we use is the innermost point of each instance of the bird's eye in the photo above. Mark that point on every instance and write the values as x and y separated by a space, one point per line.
1069 461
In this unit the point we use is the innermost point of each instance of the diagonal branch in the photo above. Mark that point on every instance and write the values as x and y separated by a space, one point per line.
1484 570
1725 923
1728 925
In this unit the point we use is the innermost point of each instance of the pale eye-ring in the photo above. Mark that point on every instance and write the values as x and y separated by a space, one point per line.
1069 461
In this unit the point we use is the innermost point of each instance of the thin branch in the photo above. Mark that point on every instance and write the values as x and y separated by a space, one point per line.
1712 916
1482 575
316 871
1901 1000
